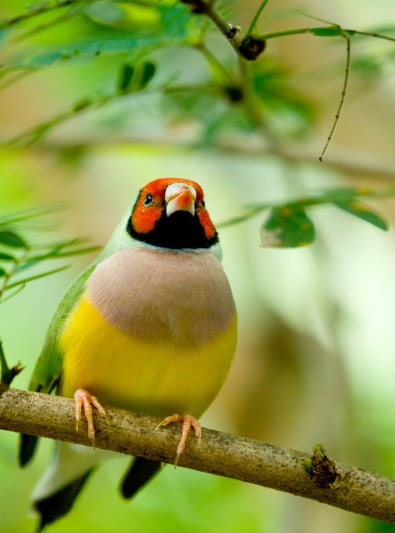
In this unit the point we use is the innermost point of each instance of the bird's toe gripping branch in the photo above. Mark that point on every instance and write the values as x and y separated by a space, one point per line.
83 399
187 422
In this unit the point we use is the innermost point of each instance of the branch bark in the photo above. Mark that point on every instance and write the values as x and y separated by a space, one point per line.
347 487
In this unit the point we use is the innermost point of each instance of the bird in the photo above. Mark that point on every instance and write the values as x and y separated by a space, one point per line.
150 326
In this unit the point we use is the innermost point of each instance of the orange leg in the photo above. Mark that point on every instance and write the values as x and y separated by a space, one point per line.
187 422
83 399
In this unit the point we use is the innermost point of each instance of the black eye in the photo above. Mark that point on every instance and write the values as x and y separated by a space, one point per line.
203 203
148 200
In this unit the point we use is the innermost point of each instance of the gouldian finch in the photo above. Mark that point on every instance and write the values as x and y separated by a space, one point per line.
150 326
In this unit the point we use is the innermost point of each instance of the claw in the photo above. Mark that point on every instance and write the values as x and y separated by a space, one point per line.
187 422
83 399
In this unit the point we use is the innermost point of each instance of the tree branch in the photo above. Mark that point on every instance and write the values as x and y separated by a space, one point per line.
356 164
249 47
317 477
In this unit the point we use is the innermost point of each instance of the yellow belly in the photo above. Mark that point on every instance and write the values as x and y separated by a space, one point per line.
154 378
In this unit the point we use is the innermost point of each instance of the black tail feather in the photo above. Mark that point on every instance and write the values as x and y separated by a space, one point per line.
27 446
58 504
141 471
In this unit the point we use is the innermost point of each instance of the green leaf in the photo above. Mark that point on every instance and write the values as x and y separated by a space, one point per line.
27 214
23 281
2 272
364 212
6 257
104 12
58 252
9 238
154 26
287 227
122 15
345 195
330 31
148 70
81 105
74 251
125 77
131 79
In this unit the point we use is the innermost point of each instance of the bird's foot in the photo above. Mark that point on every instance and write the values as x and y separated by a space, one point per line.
187 422
83 399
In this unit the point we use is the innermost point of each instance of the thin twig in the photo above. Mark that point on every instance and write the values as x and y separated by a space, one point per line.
342 96
256 17
324 31
248 47
34 12
219 453
226 28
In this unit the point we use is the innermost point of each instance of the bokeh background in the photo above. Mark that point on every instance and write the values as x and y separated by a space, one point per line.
315 361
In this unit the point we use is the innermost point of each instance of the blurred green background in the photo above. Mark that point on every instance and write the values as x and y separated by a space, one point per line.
315 358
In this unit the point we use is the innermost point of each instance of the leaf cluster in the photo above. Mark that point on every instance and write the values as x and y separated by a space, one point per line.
175 62
166 49
287 225
153 49
20 254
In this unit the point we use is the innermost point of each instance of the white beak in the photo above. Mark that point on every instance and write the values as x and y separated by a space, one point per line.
180 197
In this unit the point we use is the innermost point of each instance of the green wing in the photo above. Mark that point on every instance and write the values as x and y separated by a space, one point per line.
49 365
48 368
